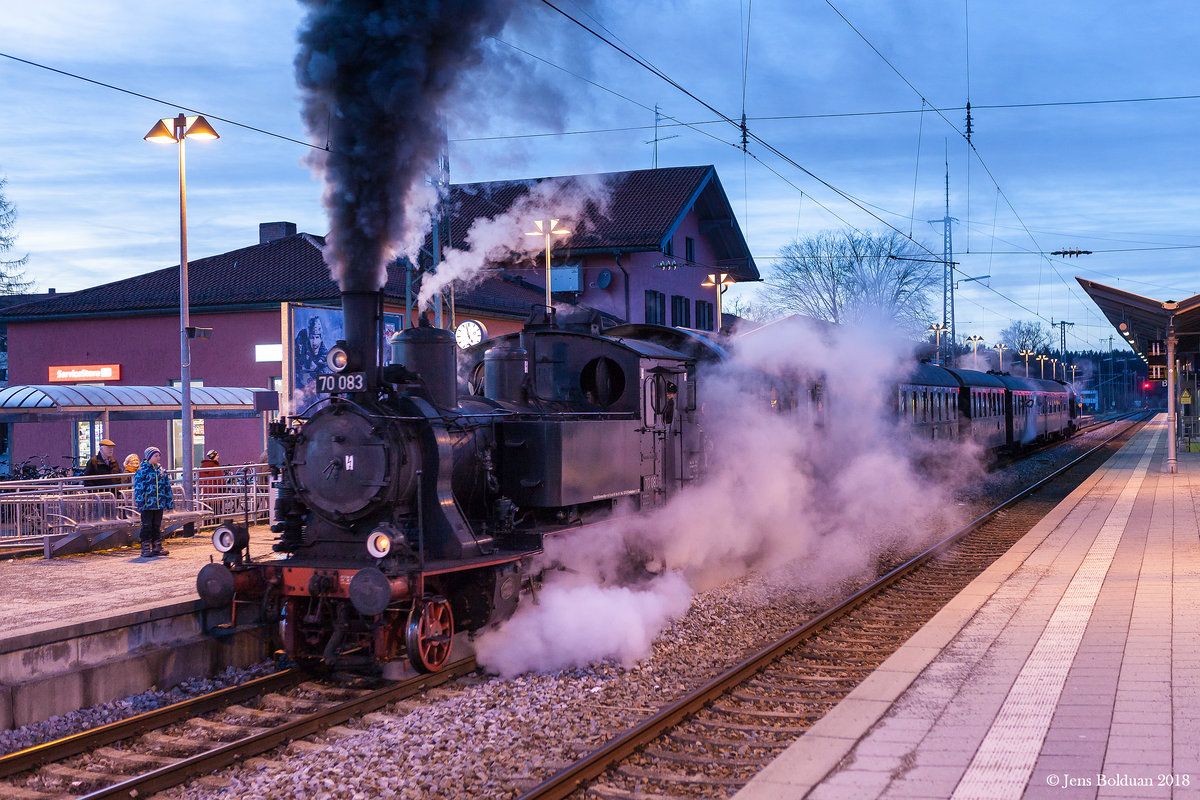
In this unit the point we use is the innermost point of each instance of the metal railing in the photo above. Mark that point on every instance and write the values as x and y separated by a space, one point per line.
32 510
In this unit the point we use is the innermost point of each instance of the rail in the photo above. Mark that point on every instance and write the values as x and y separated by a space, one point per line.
574 778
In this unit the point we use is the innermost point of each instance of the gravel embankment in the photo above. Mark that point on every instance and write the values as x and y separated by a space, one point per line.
489 737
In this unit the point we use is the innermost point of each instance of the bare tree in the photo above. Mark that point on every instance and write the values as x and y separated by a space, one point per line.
844 276
1025 336
12 276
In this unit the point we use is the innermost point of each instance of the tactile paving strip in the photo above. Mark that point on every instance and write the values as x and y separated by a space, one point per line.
1005 759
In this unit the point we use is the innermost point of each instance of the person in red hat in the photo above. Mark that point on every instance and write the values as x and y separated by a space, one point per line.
103 464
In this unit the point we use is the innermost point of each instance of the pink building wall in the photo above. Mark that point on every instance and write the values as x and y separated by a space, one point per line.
644 274
147 349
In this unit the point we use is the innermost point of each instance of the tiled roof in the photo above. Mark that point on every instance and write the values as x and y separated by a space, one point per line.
640 208
285 270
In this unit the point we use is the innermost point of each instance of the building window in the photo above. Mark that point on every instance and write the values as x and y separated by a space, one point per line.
689 249
656 307
669 250
681 311
704 315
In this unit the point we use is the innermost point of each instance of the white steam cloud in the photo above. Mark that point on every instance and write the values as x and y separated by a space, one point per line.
825 491
496 240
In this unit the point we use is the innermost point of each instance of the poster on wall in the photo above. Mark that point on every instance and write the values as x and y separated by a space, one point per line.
309 333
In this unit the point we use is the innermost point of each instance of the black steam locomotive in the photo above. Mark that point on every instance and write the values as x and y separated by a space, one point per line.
407 513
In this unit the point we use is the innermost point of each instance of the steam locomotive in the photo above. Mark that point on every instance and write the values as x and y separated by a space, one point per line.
407 513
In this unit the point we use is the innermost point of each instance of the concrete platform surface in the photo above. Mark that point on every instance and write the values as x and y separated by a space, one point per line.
1068 669
42 594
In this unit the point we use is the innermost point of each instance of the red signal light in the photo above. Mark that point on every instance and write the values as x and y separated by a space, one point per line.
1146 385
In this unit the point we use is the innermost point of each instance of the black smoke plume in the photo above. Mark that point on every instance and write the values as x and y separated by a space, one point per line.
374 76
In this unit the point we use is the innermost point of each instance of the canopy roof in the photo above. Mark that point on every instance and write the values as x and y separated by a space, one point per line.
58 402
1142 320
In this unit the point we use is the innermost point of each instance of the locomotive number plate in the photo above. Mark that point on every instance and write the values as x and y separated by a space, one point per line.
342 382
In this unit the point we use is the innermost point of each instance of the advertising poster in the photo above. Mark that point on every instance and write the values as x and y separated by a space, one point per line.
311 331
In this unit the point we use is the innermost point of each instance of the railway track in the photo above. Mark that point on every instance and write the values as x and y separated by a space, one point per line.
707 745
150 752
714 740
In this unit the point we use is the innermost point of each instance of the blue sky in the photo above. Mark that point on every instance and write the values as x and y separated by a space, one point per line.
96 203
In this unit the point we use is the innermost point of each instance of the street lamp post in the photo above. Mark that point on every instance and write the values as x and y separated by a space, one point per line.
1054 369
721 280
547 228
1073 368
1042 359
975 341
938 329
1000 347
176 130
1027 354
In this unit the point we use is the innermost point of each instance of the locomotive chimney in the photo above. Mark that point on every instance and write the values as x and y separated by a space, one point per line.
360 313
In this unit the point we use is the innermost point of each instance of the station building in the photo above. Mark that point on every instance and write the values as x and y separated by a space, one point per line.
639 251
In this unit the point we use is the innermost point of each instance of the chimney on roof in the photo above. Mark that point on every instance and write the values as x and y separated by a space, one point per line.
51 290
270 231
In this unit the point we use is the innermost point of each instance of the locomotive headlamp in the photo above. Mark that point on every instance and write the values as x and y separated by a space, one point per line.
379 543
338 359
222 539
230 537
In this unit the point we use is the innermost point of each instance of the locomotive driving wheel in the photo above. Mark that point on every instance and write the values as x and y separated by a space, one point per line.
429 634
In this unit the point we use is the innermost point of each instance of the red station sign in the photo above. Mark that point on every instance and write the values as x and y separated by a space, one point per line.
85 372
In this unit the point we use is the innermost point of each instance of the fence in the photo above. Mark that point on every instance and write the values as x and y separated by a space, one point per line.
39 511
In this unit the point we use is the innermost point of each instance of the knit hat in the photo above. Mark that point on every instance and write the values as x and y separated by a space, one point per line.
149 452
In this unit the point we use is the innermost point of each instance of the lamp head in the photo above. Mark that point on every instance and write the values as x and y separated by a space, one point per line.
161 132
198 128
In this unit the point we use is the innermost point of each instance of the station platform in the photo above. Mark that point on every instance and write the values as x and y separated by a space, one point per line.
1069 669
46 594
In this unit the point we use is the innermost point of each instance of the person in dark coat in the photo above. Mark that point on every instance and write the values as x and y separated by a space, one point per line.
103 464
152 496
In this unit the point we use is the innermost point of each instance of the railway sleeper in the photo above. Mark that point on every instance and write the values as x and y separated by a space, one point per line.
638 773
721 707
746 727
129 761
222 731
605 792
659 754
269 719
176 744
13 792
290 705
77 780
790 693
744 743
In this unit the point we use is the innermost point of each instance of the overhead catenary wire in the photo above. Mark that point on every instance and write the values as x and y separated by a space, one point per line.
787 159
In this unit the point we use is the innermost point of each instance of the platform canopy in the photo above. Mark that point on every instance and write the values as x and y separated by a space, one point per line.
1143 321
83 403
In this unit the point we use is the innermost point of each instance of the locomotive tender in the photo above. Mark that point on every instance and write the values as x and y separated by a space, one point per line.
406 513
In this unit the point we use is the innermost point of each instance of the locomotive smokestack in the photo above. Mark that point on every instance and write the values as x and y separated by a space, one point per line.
360 313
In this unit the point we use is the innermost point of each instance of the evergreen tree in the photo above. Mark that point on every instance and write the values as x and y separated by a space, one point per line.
12 273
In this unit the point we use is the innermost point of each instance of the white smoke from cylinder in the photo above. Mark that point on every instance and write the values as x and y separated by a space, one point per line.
824 499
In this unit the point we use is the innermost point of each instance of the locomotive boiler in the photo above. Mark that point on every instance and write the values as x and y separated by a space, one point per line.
409 509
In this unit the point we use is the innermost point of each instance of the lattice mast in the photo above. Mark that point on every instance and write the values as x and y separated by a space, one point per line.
948 273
